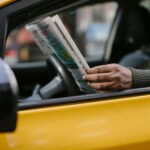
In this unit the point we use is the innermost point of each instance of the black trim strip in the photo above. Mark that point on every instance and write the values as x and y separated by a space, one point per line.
23 104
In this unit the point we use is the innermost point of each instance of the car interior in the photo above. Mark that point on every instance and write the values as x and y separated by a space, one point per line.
133 37
128 31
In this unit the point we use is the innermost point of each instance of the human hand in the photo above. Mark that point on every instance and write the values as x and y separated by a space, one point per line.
109 77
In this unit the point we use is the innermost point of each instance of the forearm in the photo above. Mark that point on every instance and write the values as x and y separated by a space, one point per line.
141 78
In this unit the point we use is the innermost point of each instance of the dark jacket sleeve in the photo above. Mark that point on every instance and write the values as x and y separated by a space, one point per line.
141 78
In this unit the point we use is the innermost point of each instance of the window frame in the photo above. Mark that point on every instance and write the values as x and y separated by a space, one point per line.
6 27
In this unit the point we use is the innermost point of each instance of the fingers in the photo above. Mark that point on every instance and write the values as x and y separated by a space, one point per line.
102 86
104 77
109 77
98 69
102 69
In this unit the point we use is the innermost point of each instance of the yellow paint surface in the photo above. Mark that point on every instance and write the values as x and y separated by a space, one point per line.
119 124
5 2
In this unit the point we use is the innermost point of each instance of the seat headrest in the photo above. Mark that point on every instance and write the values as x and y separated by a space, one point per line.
138 26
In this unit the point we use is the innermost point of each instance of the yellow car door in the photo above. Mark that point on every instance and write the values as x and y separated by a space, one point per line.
82 123
6 2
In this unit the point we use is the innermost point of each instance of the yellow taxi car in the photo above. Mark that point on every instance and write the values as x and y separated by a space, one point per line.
71 120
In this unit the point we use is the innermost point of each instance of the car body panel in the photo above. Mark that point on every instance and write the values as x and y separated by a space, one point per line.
120 123
6 2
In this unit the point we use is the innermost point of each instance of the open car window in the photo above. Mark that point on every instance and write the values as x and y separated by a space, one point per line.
89 27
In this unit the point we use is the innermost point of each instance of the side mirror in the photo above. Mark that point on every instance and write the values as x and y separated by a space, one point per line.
8 98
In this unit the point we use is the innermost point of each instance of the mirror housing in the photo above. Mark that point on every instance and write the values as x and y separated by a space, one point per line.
8 98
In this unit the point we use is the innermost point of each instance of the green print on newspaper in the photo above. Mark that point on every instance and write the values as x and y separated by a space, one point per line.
59 49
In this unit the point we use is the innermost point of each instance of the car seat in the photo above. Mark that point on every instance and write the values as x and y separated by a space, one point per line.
133 33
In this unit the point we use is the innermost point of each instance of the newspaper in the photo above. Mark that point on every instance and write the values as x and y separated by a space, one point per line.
56 39
44 47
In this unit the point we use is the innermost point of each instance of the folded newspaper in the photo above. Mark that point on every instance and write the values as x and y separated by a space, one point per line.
52 37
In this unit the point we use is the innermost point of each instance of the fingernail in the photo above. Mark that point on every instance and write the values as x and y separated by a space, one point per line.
83 77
